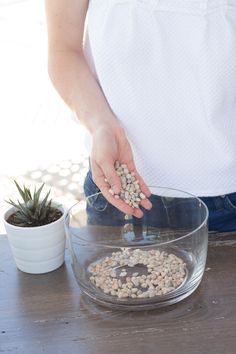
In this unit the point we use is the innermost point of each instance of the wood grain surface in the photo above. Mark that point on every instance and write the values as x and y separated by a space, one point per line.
47 313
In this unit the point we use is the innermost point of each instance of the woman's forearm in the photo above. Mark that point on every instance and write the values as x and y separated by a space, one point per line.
67 65
78 87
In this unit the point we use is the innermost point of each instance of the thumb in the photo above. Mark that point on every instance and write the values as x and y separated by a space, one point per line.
111 176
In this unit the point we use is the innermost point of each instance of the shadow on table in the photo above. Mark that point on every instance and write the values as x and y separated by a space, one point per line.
182 311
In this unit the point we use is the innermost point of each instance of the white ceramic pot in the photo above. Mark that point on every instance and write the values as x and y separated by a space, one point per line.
39 249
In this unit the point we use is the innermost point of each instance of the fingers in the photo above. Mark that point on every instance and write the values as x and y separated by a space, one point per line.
142 184
109 173
109 183
106 178
146 191
121 205
98 176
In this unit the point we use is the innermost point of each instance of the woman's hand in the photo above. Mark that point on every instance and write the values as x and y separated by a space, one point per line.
110 144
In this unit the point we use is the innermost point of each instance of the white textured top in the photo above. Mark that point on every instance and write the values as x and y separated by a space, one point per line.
168 71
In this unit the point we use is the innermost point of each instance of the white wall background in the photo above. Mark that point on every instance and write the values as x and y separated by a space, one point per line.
35 124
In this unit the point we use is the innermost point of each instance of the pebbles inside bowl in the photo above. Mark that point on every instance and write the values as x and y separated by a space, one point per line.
138 273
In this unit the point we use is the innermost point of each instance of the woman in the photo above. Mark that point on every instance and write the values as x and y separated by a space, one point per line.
155 85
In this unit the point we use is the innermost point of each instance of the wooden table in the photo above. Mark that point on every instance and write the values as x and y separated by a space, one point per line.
47 314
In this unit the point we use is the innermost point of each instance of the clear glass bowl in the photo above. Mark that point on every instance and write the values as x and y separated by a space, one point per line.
176 226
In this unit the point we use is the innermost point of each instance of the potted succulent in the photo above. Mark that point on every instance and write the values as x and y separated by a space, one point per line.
35 230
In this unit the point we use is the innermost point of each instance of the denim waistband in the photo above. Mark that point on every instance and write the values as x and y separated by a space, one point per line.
218 202
190 6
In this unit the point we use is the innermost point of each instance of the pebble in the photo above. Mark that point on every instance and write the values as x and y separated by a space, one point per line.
111 191
123 274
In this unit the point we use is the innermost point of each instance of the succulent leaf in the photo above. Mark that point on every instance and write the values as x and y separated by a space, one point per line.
20 190
33 211
37 194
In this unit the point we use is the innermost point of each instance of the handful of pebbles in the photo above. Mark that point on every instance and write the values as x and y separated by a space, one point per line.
122 274
130 192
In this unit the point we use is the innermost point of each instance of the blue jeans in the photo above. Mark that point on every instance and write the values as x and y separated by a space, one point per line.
222 210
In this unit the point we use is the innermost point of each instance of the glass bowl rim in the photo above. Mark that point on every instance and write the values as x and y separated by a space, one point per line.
148 245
